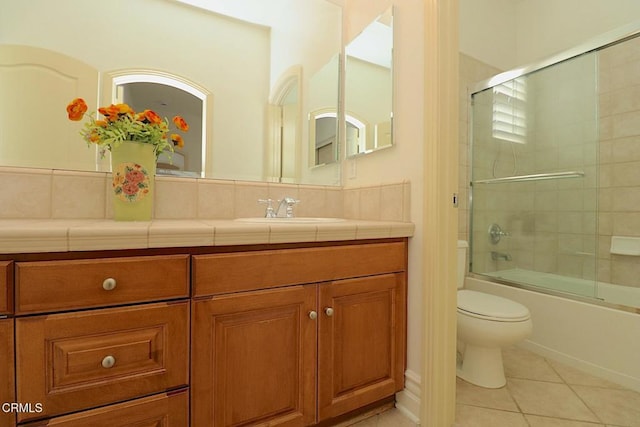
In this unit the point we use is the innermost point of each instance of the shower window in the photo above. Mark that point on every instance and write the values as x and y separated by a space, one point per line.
509 111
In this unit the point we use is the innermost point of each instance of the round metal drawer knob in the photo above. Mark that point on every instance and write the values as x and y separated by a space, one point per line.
108 362
313 315
109 284
328 311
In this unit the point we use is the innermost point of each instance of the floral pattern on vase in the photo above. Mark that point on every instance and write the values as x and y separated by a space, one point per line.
130 182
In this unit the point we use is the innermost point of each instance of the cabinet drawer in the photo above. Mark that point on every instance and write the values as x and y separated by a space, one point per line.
6 287
166 410
74 361
6 372
44 286
241 271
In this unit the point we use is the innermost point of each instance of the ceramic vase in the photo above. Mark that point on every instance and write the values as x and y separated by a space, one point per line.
133 167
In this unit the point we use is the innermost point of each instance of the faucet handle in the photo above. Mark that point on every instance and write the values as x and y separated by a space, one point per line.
269 212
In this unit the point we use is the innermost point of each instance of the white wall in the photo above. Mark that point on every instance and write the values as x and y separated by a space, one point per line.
510 33
488 31
546 27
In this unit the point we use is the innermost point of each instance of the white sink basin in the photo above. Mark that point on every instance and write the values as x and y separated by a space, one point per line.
295 220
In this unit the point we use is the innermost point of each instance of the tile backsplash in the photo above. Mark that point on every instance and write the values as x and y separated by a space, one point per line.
54 194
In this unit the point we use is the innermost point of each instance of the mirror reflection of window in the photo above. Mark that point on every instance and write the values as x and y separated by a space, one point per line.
369 86
356 135
326 138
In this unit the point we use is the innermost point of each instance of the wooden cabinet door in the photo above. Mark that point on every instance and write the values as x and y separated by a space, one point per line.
361 342
74 361
254 359
7 395
6 287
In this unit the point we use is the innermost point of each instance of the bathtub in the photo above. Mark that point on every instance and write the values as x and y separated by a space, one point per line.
597 339
605 292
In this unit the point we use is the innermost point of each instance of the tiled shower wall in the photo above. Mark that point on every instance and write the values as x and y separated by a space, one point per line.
619 196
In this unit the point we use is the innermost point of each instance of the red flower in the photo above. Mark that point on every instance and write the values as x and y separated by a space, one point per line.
76 109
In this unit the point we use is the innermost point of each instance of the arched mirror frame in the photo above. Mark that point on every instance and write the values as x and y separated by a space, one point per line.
291 79
113 79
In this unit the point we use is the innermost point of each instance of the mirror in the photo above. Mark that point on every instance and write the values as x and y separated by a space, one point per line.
234 53
369 87
323 116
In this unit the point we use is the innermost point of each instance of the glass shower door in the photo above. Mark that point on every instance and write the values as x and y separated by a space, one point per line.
534 178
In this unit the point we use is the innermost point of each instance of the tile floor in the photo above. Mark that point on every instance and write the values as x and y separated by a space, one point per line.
539 393
545 393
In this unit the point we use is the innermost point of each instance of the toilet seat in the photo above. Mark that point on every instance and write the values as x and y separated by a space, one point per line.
490 307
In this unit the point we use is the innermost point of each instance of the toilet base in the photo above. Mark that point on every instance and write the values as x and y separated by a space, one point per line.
482 366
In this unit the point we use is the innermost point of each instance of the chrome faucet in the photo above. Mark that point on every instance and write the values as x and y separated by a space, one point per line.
288 202
500 255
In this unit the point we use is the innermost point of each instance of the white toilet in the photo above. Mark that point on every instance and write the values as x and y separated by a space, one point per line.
486 324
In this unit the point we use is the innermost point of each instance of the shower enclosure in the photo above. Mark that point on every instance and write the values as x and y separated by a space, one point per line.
555 177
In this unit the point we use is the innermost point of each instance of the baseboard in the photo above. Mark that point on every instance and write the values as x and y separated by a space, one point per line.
408 400
590 368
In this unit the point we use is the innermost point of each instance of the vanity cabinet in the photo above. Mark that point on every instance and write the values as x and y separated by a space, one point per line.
7 382
315 333
289 334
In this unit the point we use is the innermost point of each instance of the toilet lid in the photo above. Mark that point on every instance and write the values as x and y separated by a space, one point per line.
492 307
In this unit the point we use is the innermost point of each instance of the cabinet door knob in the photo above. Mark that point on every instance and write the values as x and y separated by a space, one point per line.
109 284
108 362
313 315
328 311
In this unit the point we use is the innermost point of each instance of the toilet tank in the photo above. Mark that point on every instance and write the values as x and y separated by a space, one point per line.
462 262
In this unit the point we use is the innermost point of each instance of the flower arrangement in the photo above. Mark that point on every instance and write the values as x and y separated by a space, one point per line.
121 123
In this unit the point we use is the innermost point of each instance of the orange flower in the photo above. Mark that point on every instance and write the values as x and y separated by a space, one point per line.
110 112
177 140
101 123
180 123
94 137
151 117
124 109
76 109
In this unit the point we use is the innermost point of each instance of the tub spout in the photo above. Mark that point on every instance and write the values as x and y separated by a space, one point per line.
499 255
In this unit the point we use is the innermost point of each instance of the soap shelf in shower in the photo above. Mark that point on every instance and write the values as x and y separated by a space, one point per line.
534 177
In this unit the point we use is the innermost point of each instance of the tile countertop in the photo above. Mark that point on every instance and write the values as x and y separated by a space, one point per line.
29 236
